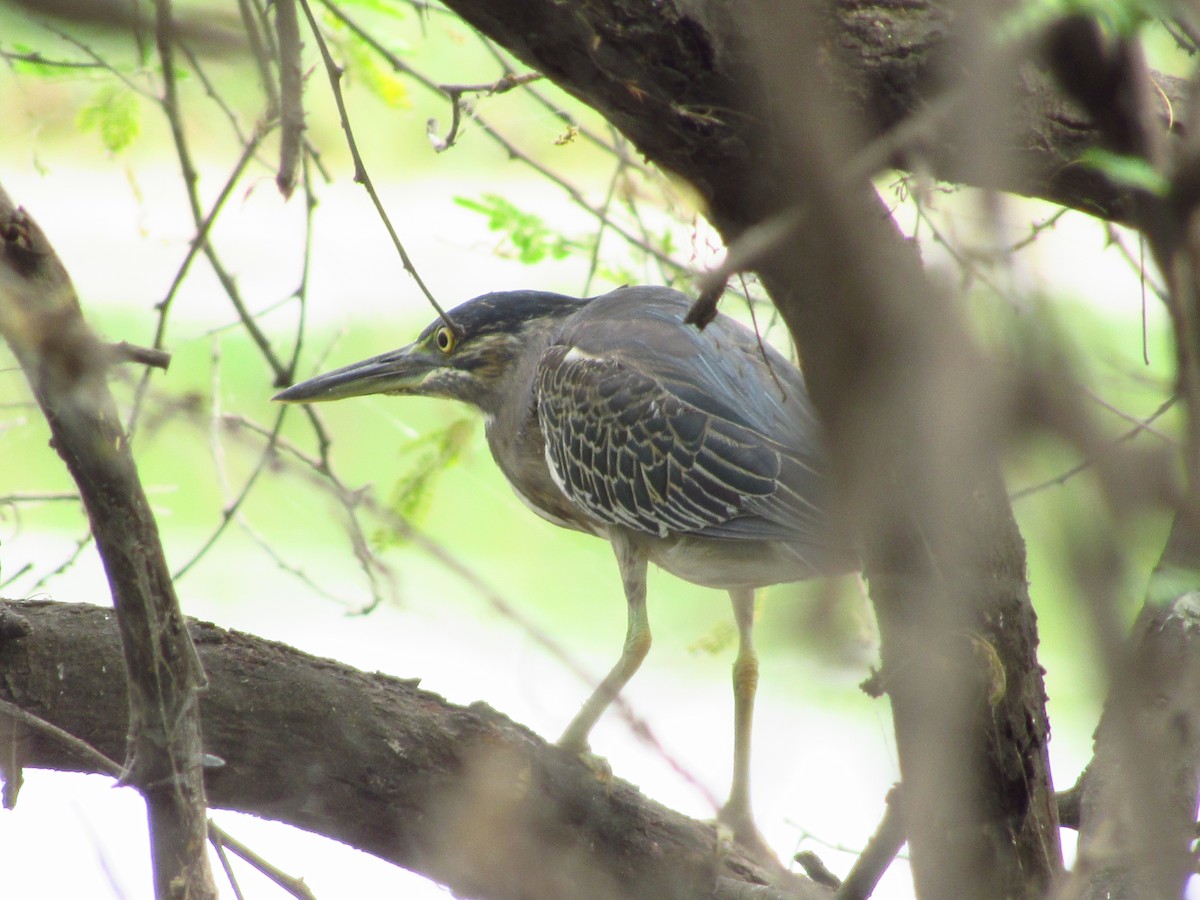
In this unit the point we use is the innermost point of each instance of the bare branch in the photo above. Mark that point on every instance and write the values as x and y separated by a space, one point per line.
291 85
146 356
222 840
41 320
360 170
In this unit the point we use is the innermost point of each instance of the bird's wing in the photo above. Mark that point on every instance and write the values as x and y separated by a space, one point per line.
647 430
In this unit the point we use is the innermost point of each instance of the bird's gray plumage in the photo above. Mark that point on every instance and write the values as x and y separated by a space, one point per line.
695 450
637 440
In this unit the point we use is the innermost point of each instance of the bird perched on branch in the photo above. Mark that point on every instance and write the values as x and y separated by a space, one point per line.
695 450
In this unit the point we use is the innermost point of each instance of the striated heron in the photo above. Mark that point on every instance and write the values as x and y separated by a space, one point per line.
695 450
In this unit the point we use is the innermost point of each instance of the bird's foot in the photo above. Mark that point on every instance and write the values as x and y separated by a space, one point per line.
597 764
735 823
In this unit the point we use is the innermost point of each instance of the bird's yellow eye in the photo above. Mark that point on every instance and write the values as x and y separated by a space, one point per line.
445 339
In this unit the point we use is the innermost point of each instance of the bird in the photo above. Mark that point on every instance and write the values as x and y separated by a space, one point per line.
693 449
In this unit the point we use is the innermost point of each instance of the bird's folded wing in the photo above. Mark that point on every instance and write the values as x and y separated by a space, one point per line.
632 452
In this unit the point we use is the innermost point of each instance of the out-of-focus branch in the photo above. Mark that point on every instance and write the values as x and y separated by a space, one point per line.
1137 797
334 73
291 102
879 852
152 357
460 794
41 321
210 29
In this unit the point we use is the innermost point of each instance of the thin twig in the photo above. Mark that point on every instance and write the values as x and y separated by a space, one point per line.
594 256
502 85
81 748
460 108
171 107
102 63
291 96
877 856
293 570
226 865
50 497
556 109
294 886
199 244
253 23
38 59
512 150
334 73
12 578
1064 477
81 544
232 506
349 500
152 357
301 293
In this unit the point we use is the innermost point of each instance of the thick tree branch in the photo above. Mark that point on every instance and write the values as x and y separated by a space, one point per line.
670 78
1138 795
462 795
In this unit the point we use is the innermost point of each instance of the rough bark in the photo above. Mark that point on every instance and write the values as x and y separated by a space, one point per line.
1138 802
65 364
460 794
670 78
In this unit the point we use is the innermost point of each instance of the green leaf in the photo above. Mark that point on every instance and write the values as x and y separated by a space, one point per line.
1121 17
427 457
1127 171
115 113
1116 17
397 9
528 236
367 68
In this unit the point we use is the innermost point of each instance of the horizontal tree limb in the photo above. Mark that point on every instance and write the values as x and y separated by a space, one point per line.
462 795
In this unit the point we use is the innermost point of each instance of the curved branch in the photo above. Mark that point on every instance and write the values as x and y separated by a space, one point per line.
671 76
460 794
41 320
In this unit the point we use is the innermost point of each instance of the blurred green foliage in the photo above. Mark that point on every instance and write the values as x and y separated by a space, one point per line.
114 113
425 459
526 234
1127 171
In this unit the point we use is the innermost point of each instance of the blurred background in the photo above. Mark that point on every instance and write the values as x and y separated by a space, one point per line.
528 190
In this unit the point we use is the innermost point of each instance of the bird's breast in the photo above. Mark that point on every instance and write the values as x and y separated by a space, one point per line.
522 460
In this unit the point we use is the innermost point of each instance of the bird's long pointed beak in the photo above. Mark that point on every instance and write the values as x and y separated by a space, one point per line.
398 372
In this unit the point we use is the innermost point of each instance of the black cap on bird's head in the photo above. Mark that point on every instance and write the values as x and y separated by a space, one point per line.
461 356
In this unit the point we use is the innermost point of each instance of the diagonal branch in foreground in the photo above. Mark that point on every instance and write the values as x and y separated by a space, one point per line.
41 321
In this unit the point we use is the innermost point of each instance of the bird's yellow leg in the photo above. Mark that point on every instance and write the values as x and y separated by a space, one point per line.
637 645
736 813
